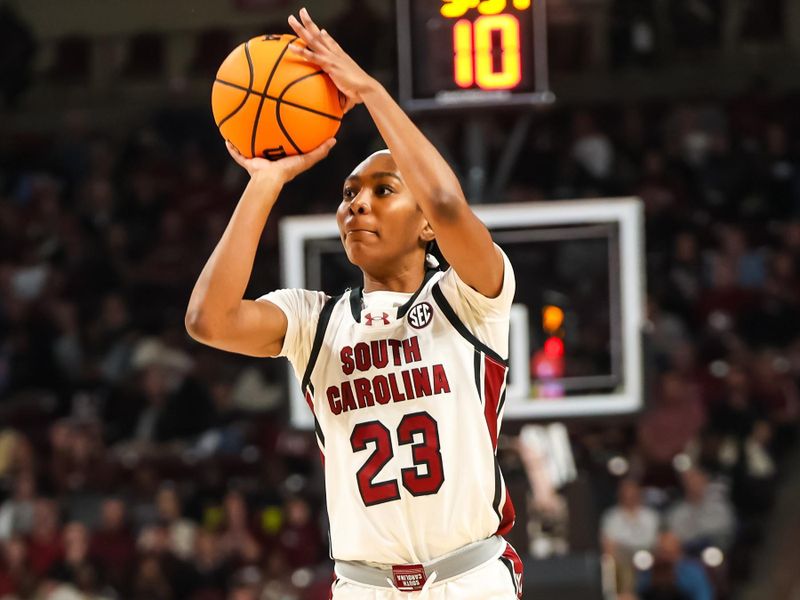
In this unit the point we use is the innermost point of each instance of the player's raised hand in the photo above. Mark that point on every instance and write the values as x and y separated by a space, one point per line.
284 169
323 50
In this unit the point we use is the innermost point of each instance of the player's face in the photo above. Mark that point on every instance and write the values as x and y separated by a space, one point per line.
380 224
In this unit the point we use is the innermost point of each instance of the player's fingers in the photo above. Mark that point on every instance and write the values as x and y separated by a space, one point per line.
313 43
322 150
318 153
317 39
235 154
298 28
308 22
294 165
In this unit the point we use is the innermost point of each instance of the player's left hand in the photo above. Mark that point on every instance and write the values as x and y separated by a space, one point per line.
323 50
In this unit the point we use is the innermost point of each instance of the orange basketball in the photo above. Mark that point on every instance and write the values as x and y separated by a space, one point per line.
268 101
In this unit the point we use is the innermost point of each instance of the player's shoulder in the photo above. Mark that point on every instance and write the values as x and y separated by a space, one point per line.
454 287
296 293
297 301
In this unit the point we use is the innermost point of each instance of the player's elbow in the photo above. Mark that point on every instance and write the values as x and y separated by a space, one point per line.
200 326
446 206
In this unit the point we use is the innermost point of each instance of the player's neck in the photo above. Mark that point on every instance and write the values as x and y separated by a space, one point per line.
407 279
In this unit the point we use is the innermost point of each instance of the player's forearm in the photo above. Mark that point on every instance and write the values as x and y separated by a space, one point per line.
222 283
428 176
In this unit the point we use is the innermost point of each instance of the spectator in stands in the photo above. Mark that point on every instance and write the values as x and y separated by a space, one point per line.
725 299
16 577
684 280
141 496
777 175
663 195
246 584
592 152
749 264
67 348
110 338
753 471
150 581
704 517
666 430
733 417
299 538
81 471
627 527
16 513
277 577
45 545
141 210
113 546
174 404
237 541
180 530
153 546
227 421
673 576
693 131
149 426
784 276
776 393
633 39
77 566
210 569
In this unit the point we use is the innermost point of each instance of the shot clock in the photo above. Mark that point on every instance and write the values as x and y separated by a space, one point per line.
472 53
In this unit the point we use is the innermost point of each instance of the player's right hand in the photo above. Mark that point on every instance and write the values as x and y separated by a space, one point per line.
284 169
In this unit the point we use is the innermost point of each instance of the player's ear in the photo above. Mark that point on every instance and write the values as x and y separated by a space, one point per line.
427 234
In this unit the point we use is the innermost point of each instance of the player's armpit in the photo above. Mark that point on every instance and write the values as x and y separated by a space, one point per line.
254 329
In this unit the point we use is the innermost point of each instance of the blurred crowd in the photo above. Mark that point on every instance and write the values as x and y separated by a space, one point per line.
700 467
136 464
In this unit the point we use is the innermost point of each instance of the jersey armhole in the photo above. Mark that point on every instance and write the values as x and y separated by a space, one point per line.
319 335
459 326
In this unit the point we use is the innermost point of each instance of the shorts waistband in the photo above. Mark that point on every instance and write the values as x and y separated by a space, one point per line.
449 566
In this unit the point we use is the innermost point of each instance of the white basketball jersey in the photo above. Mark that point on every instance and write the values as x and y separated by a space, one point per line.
407 410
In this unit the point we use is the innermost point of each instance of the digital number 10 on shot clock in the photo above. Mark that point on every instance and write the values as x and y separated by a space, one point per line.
472 53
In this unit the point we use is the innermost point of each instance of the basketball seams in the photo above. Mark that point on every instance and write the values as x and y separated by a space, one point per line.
275 98
263 97
283 129
280 100
249 85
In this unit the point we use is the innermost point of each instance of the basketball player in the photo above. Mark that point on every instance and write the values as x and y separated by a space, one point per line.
405 376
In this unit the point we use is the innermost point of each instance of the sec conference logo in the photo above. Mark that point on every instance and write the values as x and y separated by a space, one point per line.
420 315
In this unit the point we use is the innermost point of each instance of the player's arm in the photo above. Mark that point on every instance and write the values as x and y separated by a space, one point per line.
462 237
217 314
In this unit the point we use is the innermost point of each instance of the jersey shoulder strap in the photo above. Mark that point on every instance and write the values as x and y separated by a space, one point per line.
458 325
319 335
